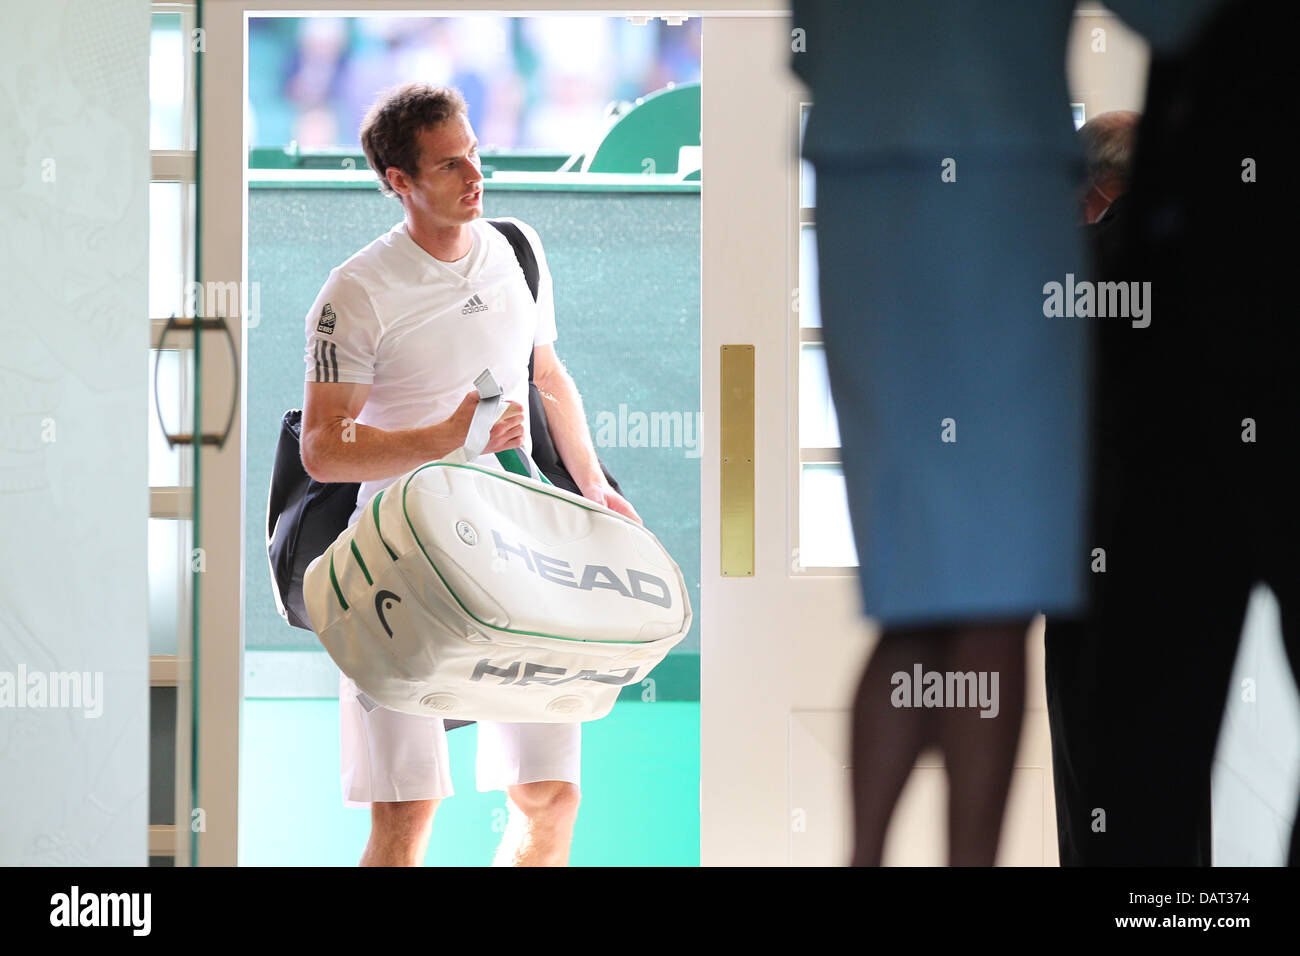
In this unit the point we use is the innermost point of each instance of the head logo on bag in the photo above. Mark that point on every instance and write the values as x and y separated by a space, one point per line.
593 575
386 601
542 674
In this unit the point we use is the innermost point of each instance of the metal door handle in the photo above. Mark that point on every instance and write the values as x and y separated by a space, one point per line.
201 325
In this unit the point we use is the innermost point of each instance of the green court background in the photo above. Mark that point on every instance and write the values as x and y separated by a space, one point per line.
640 791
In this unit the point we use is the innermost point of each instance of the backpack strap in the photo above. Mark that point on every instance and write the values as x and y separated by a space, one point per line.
523 252
527 262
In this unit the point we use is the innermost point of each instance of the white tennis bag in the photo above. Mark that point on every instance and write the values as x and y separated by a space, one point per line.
472 593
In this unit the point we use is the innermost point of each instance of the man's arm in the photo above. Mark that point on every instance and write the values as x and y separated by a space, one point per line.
568 422
336 448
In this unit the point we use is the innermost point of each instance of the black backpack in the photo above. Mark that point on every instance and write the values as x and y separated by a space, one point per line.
304 516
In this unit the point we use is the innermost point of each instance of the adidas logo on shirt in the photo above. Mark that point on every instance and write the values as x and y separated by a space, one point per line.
475 304
327 319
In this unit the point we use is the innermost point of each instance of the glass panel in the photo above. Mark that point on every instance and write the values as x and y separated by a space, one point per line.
825 535
170 578
807 179
162 756
166 82
166 249
170 466
818 427
810 311
189 199
169 584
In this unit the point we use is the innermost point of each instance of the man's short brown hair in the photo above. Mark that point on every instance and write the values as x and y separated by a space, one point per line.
391 127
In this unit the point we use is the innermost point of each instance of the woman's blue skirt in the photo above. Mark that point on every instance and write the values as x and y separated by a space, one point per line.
962 407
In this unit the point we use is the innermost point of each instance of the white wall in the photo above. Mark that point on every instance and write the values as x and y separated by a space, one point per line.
1107 70
73 373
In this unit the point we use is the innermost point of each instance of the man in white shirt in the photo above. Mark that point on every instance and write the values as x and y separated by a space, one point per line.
394 341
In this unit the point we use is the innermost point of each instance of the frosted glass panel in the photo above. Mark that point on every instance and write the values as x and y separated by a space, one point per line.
825 535
810 312
169 569
73 773
817 425
166 82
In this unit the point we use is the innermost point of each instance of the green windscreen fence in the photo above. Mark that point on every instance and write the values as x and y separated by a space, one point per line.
626 267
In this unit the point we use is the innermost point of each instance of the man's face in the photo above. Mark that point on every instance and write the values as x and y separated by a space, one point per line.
449 188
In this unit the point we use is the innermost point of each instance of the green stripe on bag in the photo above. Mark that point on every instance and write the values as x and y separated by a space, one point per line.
364 570
379 531
338 592
512 460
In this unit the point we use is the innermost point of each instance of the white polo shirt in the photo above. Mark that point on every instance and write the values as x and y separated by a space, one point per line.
419 332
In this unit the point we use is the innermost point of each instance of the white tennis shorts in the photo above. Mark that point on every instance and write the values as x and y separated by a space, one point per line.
387 755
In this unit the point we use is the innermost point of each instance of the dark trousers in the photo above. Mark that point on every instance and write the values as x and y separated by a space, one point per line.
1191 518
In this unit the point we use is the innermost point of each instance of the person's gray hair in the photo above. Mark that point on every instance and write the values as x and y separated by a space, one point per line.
1108 140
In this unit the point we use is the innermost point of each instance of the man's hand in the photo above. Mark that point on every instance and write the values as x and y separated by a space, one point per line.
568 423
601 493
508 432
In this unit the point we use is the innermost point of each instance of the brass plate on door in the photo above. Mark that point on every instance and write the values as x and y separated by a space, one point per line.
737 444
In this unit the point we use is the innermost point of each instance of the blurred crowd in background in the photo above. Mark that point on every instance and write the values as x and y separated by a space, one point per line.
541 83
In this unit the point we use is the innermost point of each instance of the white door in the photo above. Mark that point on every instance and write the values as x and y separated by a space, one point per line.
783 646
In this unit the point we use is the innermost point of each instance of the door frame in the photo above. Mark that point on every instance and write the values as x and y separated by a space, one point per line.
223 257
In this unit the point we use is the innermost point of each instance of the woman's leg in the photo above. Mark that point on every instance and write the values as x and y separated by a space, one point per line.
978 751
886 739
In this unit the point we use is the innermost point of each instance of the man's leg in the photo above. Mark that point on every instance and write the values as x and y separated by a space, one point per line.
539 766
1135 689
1133 708
1071 652
540 827
399 833
397 765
